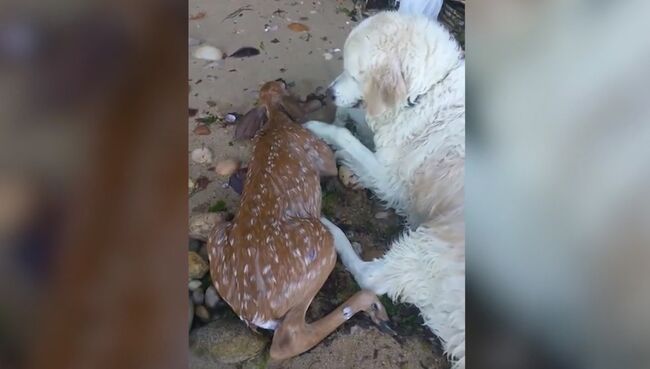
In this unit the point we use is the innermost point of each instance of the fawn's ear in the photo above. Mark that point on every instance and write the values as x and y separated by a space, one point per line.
324 158
250 123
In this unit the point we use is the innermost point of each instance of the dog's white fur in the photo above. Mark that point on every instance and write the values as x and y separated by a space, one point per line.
392 59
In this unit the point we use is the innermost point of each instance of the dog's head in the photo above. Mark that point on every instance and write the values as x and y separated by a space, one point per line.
390 59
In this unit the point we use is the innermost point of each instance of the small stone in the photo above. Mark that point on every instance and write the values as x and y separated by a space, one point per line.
349 179
227 167
191 313
202 155
197 266
202 313
195 245
230 118
203 252
194 284
328 56
226 341
258 362
198 296
202 224
381 215
208 52
202 130
356 246
211 297
298 27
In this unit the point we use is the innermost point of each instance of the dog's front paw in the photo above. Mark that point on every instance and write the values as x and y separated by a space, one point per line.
370 276
323 130
344 157
336 137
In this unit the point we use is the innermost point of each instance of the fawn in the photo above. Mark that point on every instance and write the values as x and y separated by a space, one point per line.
270 261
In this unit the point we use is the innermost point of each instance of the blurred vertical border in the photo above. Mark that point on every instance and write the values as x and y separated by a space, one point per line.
558 184
93 205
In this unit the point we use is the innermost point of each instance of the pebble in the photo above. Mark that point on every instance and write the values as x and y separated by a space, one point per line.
230 118
197 266
208 52
226 341
328 56
226 167
191 313
211 297
202 224
272 28
194 284
203 252
195 245
349 179
202 130
202 313
381 215
202 155
198 296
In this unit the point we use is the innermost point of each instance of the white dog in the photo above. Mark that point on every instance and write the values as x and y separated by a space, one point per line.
410 75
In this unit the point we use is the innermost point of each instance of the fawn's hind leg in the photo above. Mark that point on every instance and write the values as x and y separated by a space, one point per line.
294 336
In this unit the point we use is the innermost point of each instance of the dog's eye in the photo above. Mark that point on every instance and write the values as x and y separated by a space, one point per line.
374 306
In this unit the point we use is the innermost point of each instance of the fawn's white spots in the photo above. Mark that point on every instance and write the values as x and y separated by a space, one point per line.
276 256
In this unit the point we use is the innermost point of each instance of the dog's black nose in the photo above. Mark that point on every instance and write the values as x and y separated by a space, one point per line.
330 93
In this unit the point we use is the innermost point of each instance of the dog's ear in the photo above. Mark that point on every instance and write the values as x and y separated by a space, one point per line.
250 123
385 88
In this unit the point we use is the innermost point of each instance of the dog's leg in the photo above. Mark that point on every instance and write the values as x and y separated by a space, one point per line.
349 151
366 273
341 117
357 117
362 130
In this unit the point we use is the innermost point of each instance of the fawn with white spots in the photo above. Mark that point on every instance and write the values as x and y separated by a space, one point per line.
270 261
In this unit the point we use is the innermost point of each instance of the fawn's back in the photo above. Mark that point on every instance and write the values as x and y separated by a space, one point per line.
275 246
